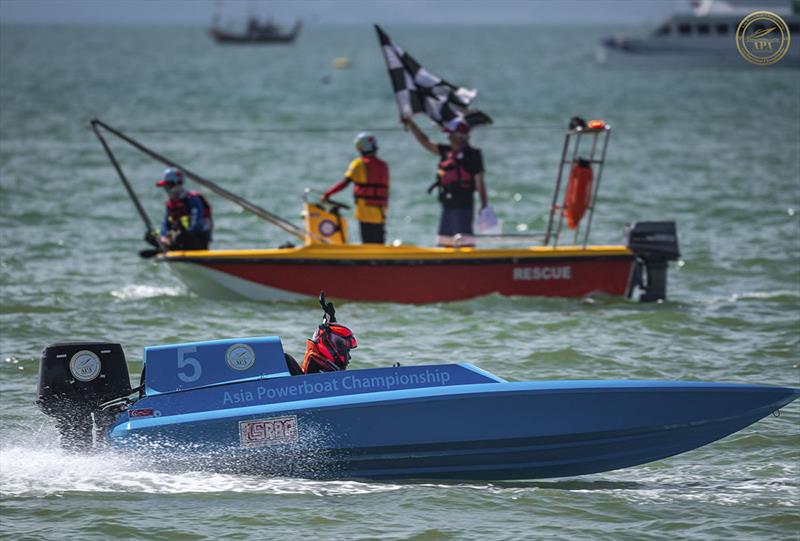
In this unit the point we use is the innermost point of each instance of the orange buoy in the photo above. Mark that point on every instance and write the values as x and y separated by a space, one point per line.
579 192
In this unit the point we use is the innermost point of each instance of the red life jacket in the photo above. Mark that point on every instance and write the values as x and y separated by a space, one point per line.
178 213
456 184
374 192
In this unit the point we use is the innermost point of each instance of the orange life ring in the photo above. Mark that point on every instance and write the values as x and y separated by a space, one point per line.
579 192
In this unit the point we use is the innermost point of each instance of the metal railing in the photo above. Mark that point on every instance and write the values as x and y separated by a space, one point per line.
572 143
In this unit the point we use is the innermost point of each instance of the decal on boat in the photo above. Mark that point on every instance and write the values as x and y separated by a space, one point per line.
268 431
85 365
191 367
327 228
240 356
346 384
396 380
562 272
144 412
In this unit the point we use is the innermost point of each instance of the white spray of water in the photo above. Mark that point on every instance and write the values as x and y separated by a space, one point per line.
138 291
34 465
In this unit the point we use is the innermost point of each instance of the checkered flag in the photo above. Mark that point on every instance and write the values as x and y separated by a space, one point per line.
419 91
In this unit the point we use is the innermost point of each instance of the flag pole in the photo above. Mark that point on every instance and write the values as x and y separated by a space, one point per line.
382 37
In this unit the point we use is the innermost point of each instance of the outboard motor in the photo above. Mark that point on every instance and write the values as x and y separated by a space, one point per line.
655 244
75 379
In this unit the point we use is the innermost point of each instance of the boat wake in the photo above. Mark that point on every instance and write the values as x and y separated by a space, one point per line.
36 466
31 469
692 483
137 291
779 296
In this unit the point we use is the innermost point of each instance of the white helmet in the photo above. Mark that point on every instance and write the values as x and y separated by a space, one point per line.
171 176
366 143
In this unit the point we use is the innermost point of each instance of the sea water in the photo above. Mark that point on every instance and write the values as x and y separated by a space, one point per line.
715 150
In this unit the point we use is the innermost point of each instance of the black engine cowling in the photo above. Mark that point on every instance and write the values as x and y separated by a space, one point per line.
655 245
75 378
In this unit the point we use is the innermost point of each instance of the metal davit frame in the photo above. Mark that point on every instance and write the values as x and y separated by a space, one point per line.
598 132
274 219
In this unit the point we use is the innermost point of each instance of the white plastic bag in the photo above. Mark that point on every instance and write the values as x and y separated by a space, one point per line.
487 223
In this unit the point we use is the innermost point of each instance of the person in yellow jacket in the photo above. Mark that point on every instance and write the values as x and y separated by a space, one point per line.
370 177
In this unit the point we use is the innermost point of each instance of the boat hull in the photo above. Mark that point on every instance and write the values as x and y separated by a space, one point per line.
638 54
405 275
489 430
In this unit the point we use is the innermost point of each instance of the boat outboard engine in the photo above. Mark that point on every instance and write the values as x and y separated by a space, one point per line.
655 244
75 379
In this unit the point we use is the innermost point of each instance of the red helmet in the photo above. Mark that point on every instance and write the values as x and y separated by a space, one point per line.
334 341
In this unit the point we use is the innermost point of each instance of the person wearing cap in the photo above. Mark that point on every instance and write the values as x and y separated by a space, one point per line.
459 175
370 177
187 223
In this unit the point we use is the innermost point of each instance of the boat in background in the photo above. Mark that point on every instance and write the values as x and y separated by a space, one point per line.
232 405
706 36
413 274
418 275
256 32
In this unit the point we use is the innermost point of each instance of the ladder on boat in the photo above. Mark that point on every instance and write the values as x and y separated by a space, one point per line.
597 132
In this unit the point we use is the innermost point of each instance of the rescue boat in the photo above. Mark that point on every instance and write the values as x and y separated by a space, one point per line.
406 274
414 274
232 405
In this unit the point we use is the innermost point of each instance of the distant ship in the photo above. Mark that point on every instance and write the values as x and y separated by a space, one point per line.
256 32
704 37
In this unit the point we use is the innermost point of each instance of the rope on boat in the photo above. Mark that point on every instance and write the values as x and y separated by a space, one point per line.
264 214
317 129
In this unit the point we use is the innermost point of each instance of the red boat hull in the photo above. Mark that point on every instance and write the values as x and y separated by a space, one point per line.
453 275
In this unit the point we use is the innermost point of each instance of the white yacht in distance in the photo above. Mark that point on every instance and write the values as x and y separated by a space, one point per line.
705 36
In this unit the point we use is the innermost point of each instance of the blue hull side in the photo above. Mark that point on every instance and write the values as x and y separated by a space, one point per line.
486 431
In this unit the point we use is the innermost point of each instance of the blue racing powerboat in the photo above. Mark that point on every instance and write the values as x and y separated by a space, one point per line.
233 405
236 399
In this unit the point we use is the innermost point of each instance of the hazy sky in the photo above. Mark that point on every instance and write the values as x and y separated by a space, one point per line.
200 12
